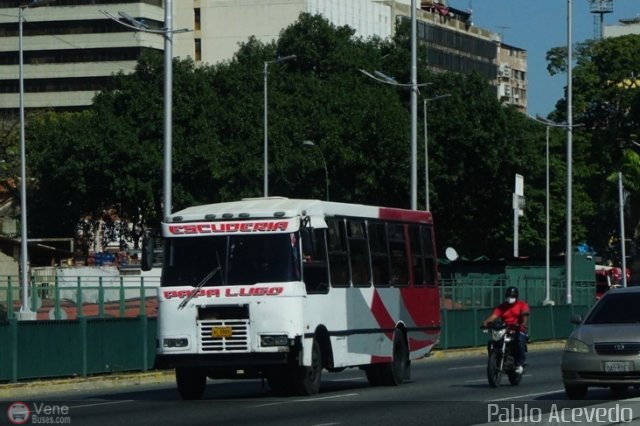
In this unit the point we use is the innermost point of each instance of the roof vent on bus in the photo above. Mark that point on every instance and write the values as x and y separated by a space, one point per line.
244 215
177 219
209 216
227 215
278 214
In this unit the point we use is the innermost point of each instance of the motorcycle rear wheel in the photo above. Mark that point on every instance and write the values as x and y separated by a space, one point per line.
494 372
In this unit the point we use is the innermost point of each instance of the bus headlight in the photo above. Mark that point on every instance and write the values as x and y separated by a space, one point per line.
274 340
180 342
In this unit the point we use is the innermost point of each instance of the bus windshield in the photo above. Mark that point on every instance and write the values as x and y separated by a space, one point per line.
242 259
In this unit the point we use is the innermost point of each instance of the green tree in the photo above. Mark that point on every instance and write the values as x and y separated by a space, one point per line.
110 157
606 102
64 184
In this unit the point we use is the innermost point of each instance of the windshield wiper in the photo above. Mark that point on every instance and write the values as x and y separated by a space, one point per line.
198 286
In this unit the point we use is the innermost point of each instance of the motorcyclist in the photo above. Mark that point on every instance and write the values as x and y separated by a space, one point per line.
514 313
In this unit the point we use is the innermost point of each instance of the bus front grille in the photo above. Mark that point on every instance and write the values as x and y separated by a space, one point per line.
237 341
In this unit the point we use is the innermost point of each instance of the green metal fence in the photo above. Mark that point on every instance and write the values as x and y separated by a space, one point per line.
43 349
119 297
72 297
111 324
461 328
486 293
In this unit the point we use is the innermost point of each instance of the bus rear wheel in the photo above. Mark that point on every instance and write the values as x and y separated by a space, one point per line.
393 373
191 382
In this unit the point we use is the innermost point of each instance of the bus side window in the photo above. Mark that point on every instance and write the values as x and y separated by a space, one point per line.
338 255
417 255
398 252
430 260
358 253
379 253
315 268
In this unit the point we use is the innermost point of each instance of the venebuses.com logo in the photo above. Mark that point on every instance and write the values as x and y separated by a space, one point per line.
18 413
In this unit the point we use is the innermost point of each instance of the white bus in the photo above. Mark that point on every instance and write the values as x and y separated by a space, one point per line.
283 289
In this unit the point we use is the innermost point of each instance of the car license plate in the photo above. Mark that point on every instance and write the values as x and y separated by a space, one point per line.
618 366
220 332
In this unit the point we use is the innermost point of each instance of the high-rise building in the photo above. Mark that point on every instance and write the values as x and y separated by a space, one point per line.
624 27
71 47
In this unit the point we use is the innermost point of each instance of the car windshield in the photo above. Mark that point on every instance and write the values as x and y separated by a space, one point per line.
242 259
616 308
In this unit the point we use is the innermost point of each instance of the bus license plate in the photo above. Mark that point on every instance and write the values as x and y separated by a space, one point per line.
618 366
220 332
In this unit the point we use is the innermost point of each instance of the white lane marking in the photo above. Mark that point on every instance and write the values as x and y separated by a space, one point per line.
304 400
101 403
467 367
476 380
327 424
526 396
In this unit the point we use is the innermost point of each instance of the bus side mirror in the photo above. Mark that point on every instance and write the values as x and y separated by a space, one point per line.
307 241
148 248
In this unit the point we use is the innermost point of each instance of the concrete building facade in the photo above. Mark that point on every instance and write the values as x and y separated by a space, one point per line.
624 27
70 49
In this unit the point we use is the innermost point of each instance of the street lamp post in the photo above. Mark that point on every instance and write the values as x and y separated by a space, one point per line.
547 251
168 109
413 86
426 148
266 118
623 249
25 310
549 124
414 110
310 144
569 245
547 299
167 32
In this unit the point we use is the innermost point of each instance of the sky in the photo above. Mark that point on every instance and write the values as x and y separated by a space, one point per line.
537 26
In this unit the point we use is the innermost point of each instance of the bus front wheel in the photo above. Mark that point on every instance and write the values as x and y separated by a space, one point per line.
306 380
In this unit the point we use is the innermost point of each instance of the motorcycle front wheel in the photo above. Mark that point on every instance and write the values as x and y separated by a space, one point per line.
515 378
494 372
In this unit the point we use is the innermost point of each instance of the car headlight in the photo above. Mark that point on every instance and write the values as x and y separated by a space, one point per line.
575 345
274 340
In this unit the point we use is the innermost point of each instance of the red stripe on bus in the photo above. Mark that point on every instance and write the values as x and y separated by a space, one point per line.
422 304
381 314
418 216
415 345
376 359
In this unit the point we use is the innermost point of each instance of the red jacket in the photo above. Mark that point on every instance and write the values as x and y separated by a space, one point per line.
512 314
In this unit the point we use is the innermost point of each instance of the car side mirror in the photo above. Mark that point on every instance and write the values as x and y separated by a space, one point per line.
576 319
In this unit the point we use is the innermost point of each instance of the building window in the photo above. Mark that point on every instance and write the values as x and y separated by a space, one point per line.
196 19
198 46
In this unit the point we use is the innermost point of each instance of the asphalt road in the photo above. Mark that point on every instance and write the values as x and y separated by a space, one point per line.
446 390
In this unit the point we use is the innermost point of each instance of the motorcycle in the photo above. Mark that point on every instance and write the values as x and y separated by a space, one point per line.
501 348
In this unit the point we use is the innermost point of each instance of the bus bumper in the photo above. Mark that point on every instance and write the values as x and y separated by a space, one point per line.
249 360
